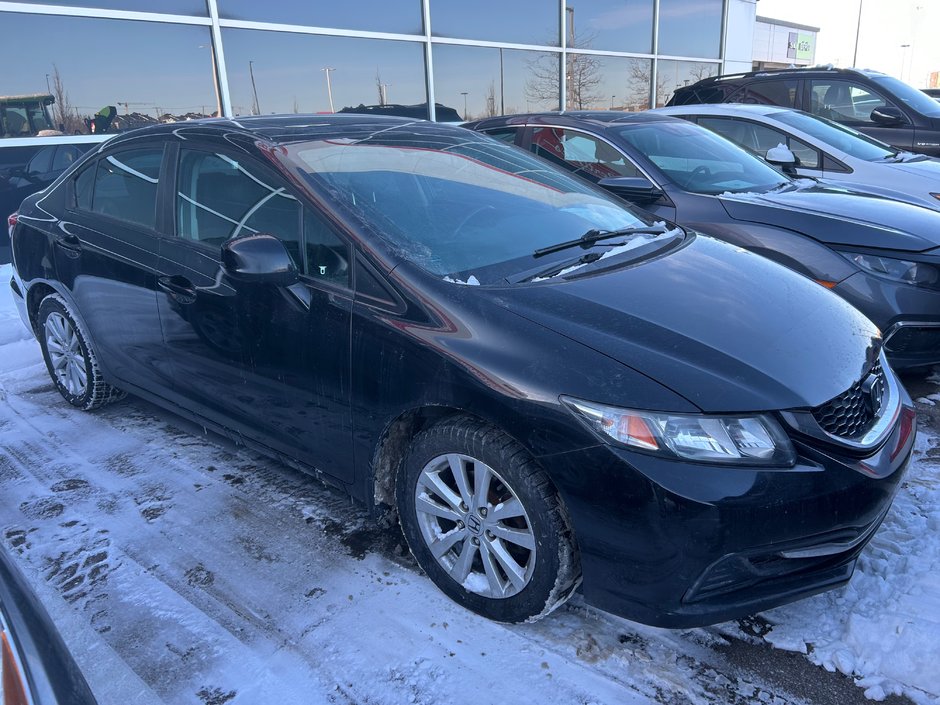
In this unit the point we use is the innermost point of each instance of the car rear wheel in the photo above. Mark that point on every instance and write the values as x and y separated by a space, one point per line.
70 357
485 523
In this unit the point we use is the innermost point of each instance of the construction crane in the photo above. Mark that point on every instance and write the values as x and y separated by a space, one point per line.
126 103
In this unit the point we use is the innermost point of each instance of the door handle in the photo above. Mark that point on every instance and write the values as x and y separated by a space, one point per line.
179 288
69 242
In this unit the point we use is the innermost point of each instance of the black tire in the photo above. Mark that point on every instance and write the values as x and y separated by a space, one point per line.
96 392
555 572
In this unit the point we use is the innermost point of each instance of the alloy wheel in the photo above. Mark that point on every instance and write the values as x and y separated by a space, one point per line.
475 526
65 354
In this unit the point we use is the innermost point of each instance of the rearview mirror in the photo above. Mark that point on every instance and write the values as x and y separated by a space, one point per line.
260 259
637 189
888 116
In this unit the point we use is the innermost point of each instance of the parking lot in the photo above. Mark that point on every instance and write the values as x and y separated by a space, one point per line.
182 569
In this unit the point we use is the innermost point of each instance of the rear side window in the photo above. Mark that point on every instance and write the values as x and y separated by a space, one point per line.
761 138
125 186
776 92
65 156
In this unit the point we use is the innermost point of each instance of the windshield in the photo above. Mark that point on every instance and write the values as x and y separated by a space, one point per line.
454 203
910 96
700 161
835 135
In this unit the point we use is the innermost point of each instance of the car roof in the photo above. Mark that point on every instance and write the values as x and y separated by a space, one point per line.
284 129
740 109
816 71
600 118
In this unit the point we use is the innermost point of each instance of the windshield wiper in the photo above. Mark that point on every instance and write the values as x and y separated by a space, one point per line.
592 236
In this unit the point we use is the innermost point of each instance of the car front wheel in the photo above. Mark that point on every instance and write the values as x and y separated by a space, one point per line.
485 523
70 358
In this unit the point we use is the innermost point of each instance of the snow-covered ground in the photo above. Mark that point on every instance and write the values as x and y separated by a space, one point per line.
183 570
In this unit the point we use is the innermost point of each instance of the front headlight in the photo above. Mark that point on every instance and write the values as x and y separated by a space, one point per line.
735 440
899 270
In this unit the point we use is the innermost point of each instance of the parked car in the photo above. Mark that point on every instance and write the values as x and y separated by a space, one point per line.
808 145
875 103
878 254
28 166
545 383
36 665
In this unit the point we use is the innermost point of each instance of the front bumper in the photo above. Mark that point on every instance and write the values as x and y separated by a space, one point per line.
676 544
908 316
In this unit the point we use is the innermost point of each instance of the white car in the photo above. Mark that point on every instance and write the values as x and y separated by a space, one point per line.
821 148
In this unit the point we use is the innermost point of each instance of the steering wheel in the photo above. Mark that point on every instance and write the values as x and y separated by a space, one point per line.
700 169
471 216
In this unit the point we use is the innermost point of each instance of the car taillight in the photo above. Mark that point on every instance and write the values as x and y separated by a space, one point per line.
11 221
14 689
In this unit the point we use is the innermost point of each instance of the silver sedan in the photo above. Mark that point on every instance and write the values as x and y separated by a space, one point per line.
807 145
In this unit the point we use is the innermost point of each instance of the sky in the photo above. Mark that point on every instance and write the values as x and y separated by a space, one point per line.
886 25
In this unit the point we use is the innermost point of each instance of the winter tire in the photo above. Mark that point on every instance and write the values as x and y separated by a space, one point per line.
485 523
70 357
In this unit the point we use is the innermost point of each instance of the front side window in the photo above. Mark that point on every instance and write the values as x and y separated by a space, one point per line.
844 101
220 198
761 138
698 160
587 156
126 185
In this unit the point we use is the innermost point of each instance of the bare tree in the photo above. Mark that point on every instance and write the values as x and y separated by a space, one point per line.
490 107
638 86
378 87
64 115
296 106
582 77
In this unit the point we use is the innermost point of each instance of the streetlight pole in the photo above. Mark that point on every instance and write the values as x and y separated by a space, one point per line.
256 108
905 47
464 94
48 89
612 101
329 85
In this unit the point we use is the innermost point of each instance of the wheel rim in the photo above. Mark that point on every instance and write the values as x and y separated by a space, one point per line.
475 526
65 354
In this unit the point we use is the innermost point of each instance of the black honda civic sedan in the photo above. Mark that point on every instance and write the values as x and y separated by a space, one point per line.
548 387
882 256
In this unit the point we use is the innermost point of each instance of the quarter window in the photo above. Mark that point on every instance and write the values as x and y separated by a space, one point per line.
126 186
587 156
844 101
504 134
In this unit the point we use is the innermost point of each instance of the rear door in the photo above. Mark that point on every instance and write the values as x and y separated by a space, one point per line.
105 252
269 362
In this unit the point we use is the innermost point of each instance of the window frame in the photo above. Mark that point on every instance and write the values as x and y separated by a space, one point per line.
271 173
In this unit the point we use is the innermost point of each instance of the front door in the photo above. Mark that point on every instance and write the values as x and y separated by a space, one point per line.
269 362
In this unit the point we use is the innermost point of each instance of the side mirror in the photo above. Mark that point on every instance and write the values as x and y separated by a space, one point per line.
888 116
637 189
258 259
781 156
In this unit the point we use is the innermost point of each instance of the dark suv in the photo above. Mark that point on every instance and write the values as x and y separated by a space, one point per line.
871 102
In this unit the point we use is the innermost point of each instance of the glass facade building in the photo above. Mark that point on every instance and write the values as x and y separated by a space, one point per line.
178 59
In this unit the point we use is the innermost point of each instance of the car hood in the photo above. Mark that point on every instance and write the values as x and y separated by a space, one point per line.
723 327
840 217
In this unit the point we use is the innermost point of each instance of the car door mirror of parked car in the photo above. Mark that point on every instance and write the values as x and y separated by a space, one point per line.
888 116
782 156
258 258
637 189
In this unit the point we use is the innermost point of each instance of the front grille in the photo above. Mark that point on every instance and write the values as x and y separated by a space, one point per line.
852 413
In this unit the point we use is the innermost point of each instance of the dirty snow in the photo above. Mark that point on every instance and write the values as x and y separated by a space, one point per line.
182 569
